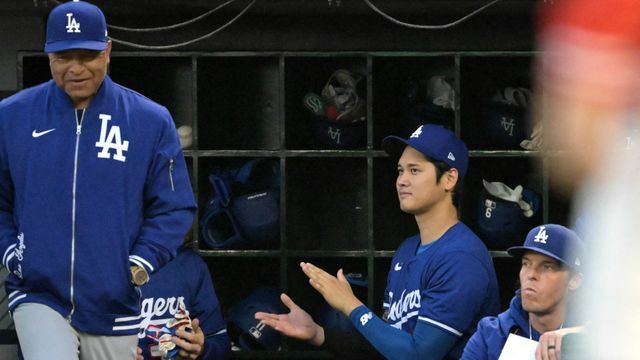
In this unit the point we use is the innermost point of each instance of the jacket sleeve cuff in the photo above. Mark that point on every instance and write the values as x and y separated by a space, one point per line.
8 254
143 263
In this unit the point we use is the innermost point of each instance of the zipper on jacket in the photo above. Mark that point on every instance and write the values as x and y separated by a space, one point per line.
73 209
171 174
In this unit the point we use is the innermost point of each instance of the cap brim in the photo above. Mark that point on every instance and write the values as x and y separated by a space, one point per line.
518 251
71 45
394 145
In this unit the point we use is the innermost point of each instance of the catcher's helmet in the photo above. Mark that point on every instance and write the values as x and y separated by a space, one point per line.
248 333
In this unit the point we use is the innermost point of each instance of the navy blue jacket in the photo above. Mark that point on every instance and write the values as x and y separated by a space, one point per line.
186 279
489 339
82 198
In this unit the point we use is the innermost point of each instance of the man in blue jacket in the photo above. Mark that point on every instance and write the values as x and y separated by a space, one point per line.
94 197
550 273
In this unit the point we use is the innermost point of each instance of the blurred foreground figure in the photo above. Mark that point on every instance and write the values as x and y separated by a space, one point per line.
589 81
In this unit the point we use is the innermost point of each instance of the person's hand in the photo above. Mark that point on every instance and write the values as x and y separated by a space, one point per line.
550 343
296 324
139 353
336 290
190 343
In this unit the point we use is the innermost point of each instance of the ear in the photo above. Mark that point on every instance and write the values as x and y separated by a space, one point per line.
107 51
575 282
450 179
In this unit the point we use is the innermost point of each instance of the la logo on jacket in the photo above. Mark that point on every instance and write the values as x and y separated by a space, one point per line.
111 140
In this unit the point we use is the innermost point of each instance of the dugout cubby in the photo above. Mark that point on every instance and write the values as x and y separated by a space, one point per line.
239 103
172 87
205 193
249 274
402 98
512 171
487 124
329 203
309 73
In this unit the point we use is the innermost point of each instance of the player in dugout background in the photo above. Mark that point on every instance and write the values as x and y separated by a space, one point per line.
543 308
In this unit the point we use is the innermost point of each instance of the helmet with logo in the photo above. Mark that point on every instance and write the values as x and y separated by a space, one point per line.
340 111
504 214
245 207
245 331
506 117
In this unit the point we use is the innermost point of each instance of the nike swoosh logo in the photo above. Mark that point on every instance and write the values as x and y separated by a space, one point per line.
36 134
397 267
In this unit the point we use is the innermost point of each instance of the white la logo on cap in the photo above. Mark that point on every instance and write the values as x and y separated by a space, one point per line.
451 157
72 25
417 133
541 236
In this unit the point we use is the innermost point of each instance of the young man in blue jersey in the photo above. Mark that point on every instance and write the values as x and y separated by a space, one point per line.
550 273
441 281
184 281
94 197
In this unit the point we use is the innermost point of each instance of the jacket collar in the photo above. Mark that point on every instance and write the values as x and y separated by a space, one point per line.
62 101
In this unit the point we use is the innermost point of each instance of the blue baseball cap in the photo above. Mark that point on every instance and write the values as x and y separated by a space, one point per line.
555 241
435 142
76 25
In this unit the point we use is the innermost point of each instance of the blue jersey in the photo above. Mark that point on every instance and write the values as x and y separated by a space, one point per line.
451 285
186 279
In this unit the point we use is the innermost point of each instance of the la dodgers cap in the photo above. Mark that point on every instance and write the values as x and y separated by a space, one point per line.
555 241
76 25
434 141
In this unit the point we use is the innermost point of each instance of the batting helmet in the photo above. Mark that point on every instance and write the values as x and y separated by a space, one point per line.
505 214
247 332
506 117
245 207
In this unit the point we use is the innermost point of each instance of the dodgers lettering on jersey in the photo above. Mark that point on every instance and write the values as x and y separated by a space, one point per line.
403 309
162 309
449 284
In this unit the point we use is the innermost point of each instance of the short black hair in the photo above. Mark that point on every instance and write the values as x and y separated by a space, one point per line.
441 168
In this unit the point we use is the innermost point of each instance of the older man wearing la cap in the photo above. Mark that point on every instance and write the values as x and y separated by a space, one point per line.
94 197
550 273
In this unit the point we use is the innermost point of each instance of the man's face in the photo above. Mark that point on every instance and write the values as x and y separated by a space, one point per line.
544 283
80 72
416 183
